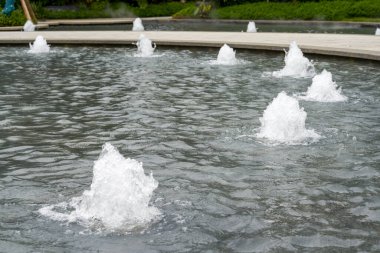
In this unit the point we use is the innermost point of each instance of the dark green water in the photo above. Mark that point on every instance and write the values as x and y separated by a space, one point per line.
224 26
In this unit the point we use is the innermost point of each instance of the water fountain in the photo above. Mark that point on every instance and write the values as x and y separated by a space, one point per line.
296 64
145 47
324 89
29 26
198 129
377 31
118 198
137 25
251 28
39 46
226 56
284 121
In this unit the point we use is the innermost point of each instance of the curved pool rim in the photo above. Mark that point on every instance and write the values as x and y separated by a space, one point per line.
344 45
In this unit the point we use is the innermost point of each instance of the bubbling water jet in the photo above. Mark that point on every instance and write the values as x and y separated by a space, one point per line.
377 31
284 121
324 89
226 56
251 28
118 199
39 46
296 64
29 26
137 25
145 48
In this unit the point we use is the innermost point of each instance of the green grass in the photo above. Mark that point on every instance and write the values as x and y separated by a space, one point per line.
324 10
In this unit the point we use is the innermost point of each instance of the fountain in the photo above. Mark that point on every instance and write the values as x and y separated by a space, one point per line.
324 89
284 121
29 26
137 25
197 127
118 198
144 47
377 31
39 46
296 65
251 28
226 56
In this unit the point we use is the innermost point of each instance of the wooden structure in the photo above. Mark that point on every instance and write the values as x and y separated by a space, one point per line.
28 11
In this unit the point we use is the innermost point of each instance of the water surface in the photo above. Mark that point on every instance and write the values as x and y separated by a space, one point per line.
192 124
224 27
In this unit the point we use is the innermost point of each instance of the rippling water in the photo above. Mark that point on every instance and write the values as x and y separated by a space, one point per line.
192 124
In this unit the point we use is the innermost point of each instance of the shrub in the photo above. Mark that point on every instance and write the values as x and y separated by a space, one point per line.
16 18
159 10
325 10
188 12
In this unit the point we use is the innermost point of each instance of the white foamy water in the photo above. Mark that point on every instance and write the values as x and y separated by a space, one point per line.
145 47
29 26
39 46
137 25
118 199
226 56
296 64
284 121
377 31
324 89
251 28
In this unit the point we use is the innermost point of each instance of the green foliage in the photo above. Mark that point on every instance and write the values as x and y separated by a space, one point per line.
159 10
188 12
102 9
98 5
55 2
325 10
142 3
203 10
15 19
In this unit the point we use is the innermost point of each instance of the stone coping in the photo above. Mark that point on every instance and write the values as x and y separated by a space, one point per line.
346 45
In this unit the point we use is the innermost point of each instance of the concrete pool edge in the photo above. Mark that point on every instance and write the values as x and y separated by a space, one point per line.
344 45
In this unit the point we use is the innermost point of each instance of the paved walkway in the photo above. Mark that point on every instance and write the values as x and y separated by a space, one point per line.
357 46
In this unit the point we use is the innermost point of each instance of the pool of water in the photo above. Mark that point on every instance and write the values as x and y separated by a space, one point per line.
223 26
191 123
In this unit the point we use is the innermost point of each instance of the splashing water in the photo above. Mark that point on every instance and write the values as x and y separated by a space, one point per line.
251 28
226 56
29 26
284 121
118 199
324 89
144 47
377 31
137 25
39 46
296 65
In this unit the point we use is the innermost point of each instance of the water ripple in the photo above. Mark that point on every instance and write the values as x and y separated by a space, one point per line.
193 125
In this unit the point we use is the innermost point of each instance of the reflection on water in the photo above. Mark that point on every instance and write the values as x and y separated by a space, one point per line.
194 126
219 25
